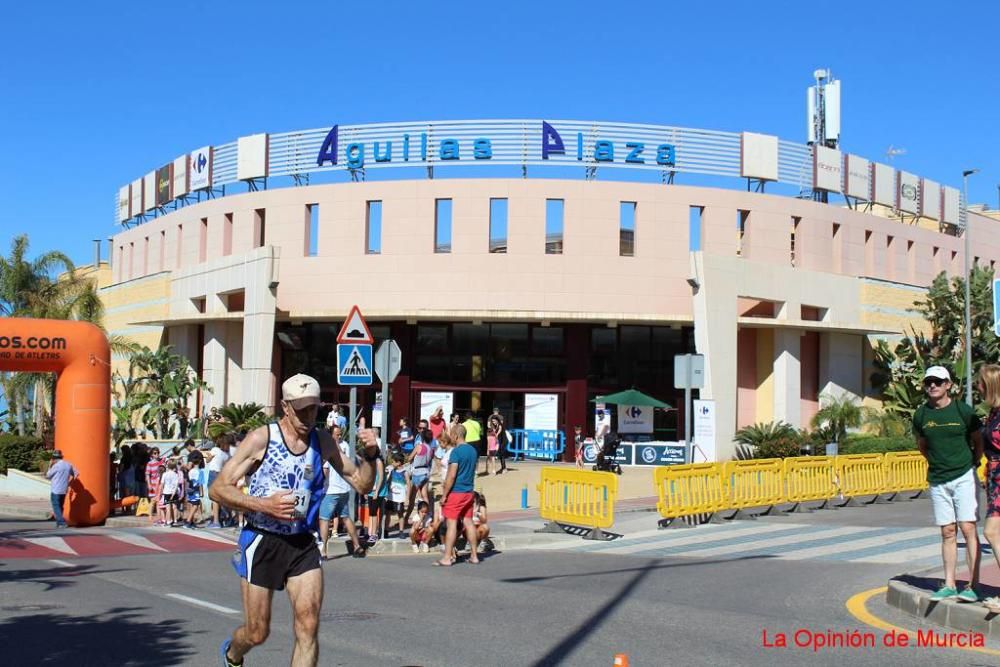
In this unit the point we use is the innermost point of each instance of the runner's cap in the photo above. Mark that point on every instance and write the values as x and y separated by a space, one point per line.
300 390
939 372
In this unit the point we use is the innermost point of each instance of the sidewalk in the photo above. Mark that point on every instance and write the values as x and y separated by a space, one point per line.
17 507
910 593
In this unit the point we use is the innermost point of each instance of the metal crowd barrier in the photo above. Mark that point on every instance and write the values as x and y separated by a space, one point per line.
580 499
706 489
536 444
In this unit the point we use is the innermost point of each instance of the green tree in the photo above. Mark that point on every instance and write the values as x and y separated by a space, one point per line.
835 416
238 419
159 382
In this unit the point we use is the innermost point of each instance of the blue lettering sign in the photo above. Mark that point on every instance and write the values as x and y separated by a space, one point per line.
604 151
355 155
552 143
406 148
448 149
633 156
328 151
482 149
579 146
423 146
384 157
666 154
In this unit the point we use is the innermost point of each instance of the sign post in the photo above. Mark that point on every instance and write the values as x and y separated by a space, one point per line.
388 361
354 362
689 373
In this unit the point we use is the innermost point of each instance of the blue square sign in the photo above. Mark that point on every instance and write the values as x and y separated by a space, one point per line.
354 364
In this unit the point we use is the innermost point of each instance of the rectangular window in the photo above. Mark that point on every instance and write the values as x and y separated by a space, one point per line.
498 225
312 230
554 226
131 260
259 225
694 228
626 229
890 257
180 244
145 257
373 228
163 250
869 253
442 225
203 240
795 228
227 235
742 220
838 249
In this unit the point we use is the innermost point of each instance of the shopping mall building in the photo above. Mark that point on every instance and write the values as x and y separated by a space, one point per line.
510 257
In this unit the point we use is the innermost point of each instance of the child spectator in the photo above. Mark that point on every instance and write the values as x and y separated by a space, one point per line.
578 443
396 474
376 502
194 491
170 484
152 473
421 528
161 503
479 520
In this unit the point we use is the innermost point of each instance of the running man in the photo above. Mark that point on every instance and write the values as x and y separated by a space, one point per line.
284 462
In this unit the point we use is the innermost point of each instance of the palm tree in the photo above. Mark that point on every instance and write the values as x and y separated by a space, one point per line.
836 416
21 280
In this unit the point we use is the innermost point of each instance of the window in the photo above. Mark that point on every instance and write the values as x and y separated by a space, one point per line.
498 225
547 341
694 228
145 257
373 228
838 249
742 221
258 228
312 230
227 235
626 229
180 244
203 240
795 228
554 226
442 225
163 251
131 260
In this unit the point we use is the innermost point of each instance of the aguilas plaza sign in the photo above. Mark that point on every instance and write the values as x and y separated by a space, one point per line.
416 147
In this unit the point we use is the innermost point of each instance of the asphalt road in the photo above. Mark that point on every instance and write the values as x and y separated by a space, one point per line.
522 607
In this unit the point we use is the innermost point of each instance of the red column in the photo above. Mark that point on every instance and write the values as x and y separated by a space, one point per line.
577 367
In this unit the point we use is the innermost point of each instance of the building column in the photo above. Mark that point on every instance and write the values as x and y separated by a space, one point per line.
577 367
258 343
841 366
787 377
214 364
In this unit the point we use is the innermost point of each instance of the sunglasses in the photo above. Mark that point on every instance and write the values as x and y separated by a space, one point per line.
936 382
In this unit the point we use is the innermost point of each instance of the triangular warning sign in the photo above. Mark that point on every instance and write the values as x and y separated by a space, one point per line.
354 365
355 329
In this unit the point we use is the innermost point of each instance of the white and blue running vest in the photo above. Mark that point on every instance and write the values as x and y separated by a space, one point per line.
280 470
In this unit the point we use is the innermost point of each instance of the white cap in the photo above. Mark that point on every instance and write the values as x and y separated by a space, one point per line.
939 372
300 390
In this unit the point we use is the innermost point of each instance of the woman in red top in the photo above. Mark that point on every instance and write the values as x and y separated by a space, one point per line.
989 388
436 423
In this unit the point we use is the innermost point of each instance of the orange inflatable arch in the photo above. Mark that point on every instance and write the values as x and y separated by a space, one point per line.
78 353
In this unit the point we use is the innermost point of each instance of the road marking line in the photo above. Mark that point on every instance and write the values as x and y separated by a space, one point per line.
202 603
206 535
857 607
135 540
61 563
53 543
883 541
743 537
771 544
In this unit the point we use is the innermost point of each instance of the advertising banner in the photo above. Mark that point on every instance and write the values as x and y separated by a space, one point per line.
430 400
635 419
124 202
201 169
909 193
827 171
759 156
136 189
930 199
658 453
541 412
251 157
149 191
884 186
163 184
857 177
180 186
952 201
704 432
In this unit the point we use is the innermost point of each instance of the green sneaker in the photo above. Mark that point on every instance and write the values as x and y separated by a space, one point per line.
968 595
944 593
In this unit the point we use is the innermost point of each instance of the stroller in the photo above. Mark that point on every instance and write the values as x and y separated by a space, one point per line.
607 454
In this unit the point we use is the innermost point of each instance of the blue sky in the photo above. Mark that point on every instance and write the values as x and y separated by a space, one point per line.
95 95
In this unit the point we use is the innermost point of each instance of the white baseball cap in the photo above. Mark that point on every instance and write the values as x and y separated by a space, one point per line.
939 372
300 390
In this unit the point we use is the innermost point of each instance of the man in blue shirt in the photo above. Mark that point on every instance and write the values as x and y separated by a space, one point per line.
60 474
456 497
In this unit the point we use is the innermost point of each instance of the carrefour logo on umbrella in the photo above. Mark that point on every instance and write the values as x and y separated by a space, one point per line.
634 412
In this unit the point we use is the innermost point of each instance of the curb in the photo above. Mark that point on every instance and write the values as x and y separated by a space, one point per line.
963 616
25 513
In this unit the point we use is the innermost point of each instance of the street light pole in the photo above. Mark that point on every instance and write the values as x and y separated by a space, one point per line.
968 290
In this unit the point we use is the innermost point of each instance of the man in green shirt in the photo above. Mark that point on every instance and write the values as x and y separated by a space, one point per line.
473 432
948 436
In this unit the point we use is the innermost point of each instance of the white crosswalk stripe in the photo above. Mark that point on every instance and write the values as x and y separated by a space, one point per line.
53 543
787 541
134 539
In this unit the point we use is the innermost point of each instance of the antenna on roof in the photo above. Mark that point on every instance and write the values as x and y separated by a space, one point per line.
892 152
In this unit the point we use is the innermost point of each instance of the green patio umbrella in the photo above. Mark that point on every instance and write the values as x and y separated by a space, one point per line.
630 397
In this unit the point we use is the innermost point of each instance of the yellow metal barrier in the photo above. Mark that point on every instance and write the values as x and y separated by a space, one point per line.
860 475
686 490
904 471
809 478
578 497
754 483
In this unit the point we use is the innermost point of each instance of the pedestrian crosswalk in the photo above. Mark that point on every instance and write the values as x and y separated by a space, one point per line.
101 542
787 541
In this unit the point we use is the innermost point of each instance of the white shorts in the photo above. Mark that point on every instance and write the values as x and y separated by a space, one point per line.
955 500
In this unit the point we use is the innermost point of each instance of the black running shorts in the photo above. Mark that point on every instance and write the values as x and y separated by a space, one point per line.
269 560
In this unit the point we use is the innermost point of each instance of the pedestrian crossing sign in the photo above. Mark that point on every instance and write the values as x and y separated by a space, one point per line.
354 364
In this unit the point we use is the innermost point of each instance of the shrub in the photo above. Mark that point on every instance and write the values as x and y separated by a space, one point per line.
754 436
778 448
20 452
869 444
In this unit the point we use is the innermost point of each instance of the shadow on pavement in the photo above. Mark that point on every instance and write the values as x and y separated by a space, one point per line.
641 569
931 584
50 577
119 637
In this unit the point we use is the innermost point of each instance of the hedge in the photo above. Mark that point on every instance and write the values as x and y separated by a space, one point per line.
871 444
20 452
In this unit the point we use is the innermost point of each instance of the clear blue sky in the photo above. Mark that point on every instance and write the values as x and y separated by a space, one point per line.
95 95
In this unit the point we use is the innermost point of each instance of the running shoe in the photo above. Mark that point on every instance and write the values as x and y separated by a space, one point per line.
359 553
372 540
224 655
424 548
415 548
968 595
212 524
943 593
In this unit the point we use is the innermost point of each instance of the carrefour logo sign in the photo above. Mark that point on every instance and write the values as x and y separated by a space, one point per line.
419 147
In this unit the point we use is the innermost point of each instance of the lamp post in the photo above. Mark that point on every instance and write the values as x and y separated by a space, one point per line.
968 291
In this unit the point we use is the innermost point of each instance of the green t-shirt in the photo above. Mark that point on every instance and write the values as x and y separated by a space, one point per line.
473 431
947 431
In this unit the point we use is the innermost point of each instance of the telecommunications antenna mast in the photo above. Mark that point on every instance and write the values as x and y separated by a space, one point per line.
823 115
